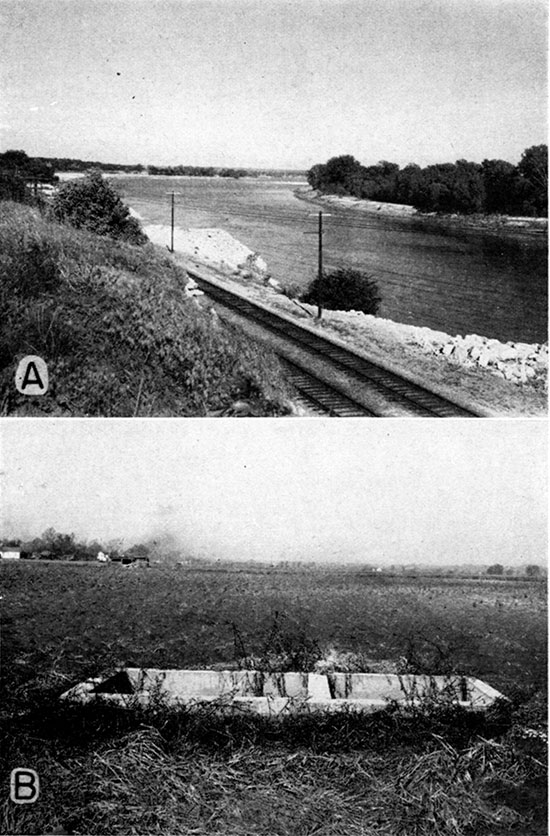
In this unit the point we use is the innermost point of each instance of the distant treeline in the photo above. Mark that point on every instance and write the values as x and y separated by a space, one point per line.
71 164
54 545
492 187
44 168
212 171
196 171
29 168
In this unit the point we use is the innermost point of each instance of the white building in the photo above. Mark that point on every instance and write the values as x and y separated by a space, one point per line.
10 552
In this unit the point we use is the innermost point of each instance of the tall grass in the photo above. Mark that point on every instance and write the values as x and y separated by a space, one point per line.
118 333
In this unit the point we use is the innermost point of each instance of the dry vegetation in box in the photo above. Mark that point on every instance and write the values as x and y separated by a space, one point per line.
437 771
116 329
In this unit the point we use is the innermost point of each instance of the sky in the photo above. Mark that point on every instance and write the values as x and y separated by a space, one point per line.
273 83
409 491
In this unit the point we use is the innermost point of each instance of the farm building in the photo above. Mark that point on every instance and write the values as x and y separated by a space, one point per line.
10 552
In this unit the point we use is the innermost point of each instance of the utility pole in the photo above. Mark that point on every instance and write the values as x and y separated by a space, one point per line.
319 256
171 247
320 265
172 227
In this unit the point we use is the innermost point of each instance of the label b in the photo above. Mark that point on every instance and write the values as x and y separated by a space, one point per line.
24 786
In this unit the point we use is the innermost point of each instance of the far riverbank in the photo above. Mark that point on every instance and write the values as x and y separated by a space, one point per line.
401 210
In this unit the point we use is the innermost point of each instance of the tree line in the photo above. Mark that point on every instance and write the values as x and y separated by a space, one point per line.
196 171
490 187
55 545
213 171
45 168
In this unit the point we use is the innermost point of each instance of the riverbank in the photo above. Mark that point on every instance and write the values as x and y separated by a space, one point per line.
401 210
508 379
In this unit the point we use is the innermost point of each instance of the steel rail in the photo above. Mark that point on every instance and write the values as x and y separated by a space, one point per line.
416 399
323 398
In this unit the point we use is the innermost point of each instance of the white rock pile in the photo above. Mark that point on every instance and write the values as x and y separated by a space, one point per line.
514 361
517 362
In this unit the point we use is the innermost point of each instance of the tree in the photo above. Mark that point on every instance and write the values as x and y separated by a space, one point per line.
387 168
503 187
533 166
340 174
407 181
17 171
29 168
315 176
92 203
14 160
496 569
345 289
139 550
533 571
13 187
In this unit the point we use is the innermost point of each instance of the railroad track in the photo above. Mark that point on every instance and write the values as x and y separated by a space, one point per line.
388 389
322 398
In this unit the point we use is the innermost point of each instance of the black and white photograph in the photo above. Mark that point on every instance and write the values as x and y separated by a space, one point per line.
210 630
274 208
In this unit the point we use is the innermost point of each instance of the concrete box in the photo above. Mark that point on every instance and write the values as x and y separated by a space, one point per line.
274 693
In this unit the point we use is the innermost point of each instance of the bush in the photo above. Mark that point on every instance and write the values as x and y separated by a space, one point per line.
93 203
344 290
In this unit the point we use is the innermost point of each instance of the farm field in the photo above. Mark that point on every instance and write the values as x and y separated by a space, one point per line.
114 773
450 279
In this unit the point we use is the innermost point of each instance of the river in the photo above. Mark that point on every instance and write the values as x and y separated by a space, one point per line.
461 281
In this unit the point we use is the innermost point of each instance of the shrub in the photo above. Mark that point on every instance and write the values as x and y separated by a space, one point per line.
344 290
93 203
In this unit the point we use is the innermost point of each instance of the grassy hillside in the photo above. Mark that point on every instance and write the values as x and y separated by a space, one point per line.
116 329
437 772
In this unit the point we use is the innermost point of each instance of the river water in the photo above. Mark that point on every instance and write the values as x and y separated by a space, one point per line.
454 280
